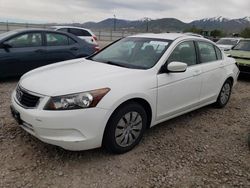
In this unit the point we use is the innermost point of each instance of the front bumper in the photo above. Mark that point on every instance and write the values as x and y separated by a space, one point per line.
244 68
71 130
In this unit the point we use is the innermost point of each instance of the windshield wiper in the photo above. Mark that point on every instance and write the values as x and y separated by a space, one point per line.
115 63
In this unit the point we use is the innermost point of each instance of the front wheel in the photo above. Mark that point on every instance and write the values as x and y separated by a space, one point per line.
125 128
225 94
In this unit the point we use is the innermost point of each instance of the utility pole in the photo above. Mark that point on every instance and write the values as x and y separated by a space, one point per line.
114 22
146 19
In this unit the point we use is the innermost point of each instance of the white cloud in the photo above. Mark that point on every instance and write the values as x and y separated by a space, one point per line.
96 10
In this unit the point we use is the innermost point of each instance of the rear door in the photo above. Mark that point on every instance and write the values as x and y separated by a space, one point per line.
60 47
25 52
212 66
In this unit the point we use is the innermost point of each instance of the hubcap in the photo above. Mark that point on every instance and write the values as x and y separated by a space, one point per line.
225 93
128 129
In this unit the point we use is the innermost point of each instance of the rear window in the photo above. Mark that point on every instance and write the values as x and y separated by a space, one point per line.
55 39
207 52
79 32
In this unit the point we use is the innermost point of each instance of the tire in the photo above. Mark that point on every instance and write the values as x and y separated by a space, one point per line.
224 95
125 128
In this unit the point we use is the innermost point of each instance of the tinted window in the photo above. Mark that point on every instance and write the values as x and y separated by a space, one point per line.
63 29
71 41
243 45
55 39
26 40
79 32
218 53
207 52
184 52
227 41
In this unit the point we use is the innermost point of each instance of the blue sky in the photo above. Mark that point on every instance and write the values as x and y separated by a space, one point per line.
95 10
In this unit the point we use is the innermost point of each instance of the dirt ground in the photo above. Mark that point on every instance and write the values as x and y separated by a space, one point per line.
204 148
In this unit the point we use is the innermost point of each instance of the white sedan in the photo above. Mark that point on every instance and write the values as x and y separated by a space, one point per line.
110 98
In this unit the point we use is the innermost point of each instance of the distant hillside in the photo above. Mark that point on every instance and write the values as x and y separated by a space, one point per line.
172 24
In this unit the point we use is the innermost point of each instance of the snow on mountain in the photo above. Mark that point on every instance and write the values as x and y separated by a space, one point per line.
247 18
215 19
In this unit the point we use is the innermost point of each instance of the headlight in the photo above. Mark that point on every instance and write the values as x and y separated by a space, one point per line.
76 101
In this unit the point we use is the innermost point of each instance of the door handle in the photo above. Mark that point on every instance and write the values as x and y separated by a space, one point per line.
40 51
196 72
74 48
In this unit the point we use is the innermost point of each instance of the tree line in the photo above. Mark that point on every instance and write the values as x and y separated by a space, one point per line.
216 33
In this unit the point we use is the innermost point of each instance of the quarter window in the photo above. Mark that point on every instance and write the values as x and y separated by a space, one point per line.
26 40
207 52
218 53
55 39
185 53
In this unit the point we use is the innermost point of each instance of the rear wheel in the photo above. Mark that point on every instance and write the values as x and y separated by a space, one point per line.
125 128
225 94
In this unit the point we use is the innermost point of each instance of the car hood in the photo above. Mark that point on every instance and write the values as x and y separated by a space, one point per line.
72 77
225 47
240 54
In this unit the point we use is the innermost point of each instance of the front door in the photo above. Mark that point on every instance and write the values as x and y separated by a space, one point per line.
25 52
179 92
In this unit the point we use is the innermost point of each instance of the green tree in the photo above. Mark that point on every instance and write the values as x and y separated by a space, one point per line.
193 29
217 33
245 33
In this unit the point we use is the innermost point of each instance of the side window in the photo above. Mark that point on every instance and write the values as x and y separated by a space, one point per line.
218 53
26 40
71 41
55 39
207 52
185 53
79 32
63 30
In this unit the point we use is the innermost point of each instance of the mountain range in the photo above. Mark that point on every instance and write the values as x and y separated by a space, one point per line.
171 24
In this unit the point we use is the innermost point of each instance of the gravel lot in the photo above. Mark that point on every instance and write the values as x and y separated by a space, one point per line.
205 148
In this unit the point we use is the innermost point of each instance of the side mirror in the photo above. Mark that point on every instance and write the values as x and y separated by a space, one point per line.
175 67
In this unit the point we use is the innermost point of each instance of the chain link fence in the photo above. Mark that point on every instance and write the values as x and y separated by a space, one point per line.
102 35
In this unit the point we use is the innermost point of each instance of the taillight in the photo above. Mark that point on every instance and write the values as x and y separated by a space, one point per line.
95 38
97 48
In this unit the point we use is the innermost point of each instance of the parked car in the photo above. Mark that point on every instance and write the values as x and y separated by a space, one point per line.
24 50
111 97
241 52
227 44
83 33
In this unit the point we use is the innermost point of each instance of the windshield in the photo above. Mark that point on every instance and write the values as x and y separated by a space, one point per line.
243 45
6 34
228 42
133 52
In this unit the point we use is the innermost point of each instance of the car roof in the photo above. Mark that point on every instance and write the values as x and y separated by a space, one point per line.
232 38
21 31
31 29
167 36
73 27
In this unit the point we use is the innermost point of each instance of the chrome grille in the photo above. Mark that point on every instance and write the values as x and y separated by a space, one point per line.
26 99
